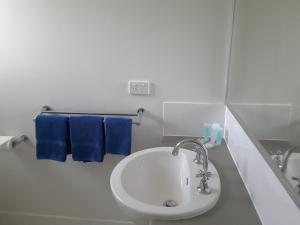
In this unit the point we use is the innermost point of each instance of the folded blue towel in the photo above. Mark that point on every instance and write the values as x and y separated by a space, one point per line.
87 138
118 135
52 135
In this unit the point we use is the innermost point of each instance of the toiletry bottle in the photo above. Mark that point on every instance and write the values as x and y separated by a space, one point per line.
206 131
219 135
214 129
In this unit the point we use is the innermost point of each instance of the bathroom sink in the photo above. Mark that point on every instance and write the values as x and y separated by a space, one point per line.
153 184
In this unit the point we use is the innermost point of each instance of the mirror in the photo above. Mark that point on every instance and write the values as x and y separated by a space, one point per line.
264 83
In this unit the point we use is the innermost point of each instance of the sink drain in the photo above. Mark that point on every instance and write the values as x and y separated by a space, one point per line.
170 203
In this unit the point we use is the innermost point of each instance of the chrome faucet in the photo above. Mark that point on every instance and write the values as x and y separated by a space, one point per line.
200 150
297 179
286 156
281 159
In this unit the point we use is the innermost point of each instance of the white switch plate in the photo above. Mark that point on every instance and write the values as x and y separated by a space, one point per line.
139 87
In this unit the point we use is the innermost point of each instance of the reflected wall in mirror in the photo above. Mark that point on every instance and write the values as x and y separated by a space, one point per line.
264 82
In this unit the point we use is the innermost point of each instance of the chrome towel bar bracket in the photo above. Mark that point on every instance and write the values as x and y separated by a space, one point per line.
18 140
48 110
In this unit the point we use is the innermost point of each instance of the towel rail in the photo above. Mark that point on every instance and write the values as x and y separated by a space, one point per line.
48 110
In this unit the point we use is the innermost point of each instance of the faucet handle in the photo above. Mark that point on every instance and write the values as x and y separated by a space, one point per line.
203 186
207 174
198 159
279 152
296 179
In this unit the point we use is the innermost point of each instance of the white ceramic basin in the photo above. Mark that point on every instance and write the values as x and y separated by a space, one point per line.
143 181
293 168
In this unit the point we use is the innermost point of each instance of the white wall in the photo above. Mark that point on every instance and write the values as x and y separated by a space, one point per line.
271 200
78 55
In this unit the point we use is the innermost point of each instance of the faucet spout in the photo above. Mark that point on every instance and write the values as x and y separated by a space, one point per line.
200 149
286 156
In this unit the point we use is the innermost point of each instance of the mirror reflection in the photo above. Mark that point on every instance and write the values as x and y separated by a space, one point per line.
264 80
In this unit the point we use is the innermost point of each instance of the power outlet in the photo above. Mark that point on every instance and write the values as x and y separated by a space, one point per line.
136 87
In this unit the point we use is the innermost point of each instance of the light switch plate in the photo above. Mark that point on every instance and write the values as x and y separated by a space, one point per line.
139 87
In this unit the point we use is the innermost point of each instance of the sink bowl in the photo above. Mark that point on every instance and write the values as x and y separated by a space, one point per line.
153 184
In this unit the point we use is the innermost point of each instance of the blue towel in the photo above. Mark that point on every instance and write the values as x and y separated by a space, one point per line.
52 135
87 138
118 135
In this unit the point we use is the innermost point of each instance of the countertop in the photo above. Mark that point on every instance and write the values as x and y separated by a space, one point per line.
234 206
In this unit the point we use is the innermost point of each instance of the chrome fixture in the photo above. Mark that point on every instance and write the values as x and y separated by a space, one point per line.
201 158
48 110
170 203
298 185
278 159
281 158
18 140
